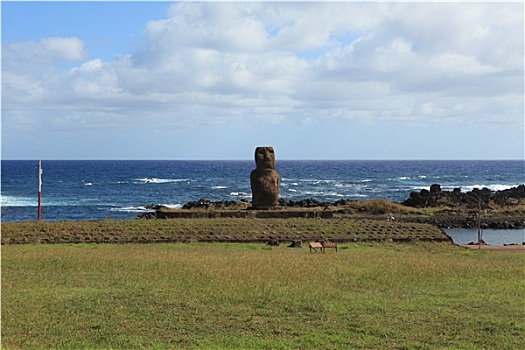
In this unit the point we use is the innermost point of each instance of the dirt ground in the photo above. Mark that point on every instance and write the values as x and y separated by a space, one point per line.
497 248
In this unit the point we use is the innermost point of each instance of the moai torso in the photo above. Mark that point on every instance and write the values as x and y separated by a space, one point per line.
264 179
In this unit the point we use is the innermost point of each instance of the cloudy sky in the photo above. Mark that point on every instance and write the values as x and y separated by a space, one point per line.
208 80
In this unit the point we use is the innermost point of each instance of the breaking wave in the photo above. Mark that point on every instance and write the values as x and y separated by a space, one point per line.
239 194
153 180
144 209
493 187
12 201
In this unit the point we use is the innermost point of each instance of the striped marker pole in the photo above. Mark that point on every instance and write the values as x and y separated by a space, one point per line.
39 190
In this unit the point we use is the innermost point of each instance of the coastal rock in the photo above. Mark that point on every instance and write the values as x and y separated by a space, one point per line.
207 204
264 180
473 199
435 189
509 196
416 200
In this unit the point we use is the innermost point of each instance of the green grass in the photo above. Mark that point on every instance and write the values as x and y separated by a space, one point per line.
252 296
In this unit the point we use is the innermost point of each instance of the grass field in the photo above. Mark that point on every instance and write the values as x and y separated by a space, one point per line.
252 296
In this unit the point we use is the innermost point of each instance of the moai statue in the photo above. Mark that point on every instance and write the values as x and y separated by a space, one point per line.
264 180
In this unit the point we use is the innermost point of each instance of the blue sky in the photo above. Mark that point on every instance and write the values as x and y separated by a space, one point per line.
105 29
209 80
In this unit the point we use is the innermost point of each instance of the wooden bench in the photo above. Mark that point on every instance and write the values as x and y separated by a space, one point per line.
329 245
322 246
315 246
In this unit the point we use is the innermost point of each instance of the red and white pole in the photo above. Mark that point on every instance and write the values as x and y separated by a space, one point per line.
39 190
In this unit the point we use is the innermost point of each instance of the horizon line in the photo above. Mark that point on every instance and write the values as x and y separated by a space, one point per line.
251 159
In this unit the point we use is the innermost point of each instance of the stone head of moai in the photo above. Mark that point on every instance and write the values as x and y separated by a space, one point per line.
264 179
265 158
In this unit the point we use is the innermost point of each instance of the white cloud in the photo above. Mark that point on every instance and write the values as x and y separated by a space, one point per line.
244 63
454 64
95 79
67 49
21 87
26 55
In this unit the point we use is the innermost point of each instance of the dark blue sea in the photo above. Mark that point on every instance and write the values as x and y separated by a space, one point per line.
93 190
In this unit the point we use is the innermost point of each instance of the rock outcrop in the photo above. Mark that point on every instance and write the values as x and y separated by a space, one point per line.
473 199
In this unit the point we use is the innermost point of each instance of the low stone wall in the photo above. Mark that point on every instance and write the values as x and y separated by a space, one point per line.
259 214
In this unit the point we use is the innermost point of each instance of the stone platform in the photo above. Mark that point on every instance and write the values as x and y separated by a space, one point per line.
258 214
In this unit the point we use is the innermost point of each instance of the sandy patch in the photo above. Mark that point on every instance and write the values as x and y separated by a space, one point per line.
497 248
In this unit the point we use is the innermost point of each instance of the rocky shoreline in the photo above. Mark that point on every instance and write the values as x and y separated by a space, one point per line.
476 199
445 209
495 209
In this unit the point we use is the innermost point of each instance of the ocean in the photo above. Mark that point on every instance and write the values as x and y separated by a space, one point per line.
121 189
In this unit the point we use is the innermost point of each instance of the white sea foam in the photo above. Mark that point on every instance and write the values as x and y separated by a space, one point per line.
314 181
494 187
284 184
322 193
335 194
12 201
143 209
153 180
238 194
132 209
172 206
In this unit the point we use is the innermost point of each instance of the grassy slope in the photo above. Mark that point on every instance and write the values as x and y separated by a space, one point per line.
220 229
373 296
